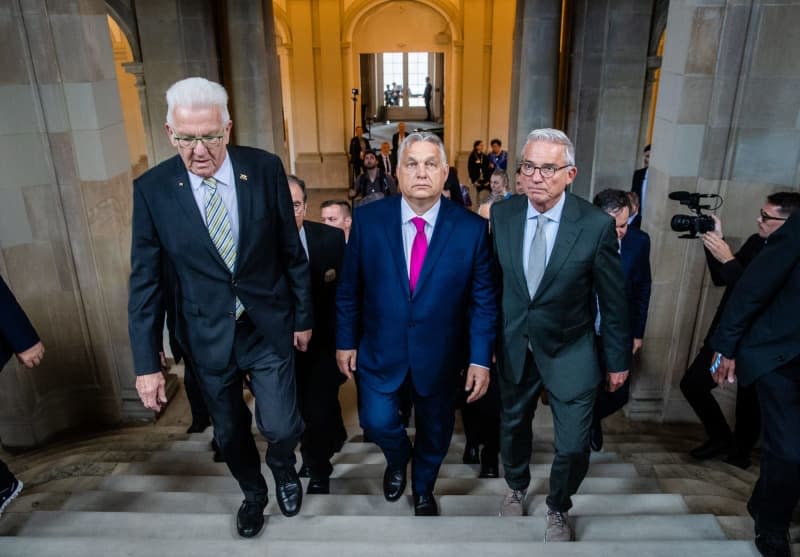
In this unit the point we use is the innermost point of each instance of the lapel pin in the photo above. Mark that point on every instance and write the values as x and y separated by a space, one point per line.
180 184
243 177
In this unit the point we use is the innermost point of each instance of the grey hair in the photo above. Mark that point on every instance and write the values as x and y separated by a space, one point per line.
197 92
549 135
422 136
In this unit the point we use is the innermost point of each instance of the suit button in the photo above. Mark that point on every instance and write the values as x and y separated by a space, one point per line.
235 282
231 314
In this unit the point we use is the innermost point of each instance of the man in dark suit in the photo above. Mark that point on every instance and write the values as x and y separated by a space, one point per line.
318 378
397 138
223 218
359 145
559 261
758 341
639 186
427 95
634 249
726 269
417 274
17 337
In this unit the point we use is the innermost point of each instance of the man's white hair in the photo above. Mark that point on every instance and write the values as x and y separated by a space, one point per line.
423 136
197 92
549 135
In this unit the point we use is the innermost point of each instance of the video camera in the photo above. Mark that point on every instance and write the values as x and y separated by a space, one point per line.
697 223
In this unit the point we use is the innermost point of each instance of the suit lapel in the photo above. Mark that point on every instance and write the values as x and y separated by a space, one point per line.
568 232
182 189
516 240
393 227
244 198
441 235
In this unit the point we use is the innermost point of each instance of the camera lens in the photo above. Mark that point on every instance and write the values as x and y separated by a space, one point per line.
682 223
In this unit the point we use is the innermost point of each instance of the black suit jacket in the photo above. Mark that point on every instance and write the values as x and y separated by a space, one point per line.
16 332
271 275
355 153
396 144
636 186
760 326
388 170
635 253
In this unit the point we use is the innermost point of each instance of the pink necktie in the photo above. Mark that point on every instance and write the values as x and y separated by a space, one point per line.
418 250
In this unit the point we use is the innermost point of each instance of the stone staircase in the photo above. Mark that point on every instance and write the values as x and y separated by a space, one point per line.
154 490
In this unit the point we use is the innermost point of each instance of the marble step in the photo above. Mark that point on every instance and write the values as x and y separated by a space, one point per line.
367 505
381 529
444 486
81 547
199 467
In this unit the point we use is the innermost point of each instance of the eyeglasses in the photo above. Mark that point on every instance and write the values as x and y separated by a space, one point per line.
189 142
298 207
766 217
547 171
411 166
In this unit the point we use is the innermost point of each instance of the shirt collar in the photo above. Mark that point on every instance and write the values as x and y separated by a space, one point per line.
223 175
554 213
407 213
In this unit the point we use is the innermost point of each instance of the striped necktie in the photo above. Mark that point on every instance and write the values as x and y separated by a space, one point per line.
219 228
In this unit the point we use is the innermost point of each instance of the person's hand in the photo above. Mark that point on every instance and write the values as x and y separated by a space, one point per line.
151 390
301 339
33 356
718 247
637 345
346 361
726 371
717 226
477 382
615 380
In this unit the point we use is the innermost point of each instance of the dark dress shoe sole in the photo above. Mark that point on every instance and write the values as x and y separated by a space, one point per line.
318 487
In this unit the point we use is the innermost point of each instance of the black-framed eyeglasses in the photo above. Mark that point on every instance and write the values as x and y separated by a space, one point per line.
546 171
298 207
767 217
189 142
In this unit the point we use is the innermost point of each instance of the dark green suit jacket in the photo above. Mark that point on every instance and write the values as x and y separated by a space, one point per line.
584 266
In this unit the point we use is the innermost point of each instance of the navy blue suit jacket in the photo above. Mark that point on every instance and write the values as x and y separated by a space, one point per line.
271 277
635 253
397 333
16 332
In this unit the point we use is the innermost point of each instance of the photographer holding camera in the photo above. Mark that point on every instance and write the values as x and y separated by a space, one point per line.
697 383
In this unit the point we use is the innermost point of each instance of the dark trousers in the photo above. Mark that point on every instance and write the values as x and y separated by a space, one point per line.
6 477
482 418
278 418
318 381
434 415
193 394
777 490
697 385
571 421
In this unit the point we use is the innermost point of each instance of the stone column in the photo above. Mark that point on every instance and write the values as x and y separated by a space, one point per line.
607 78
65 207
726 122
534 71
254 82
178 40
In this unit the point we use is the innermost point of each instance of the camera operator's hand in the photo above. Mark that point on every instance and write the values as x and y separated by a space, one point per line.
717 226
718 247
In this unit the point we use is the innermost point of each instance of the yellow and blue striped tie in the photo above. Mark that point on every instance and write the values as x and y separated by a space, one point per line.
219 228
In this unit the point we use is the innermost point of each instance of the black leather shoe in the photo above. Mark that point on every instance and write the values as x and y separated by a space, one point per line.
489 466
217 453
773 543
596 437
288 491
425 505
394 483
319 486
198 426
250 518
739 460
470 454
305 471
710 449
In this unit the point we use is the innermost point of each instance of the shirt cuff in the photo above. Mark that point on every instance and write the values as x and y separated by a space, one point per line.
478 365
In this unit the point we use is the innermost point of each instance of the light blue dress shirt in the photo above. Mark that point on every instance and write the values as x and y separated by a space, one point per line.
550 229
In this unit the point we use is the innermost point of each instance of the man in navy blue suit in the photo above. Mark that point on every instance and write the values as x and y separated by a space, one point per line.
222 218
17 337
635 252
417 273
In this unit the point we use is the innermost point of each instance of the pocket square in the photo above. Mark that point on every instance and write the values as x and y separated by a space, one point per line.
330 275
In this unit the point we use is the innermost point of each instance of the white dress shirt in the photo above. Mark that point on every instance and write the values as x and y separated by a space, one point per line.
410 231
304 241
226 189
550 229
